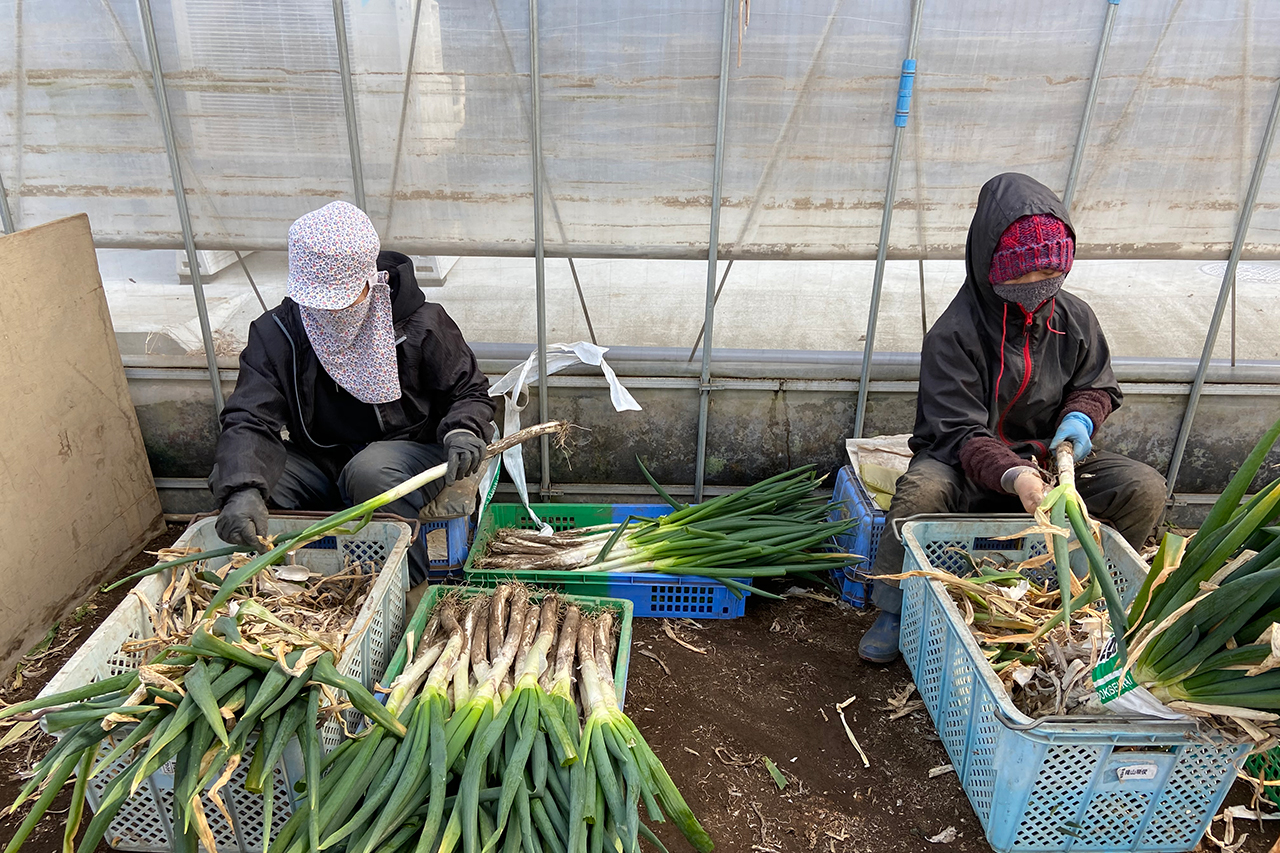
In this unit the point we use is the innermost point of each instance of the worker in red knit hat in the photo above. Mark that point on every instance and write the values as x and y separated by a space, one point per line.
1013 367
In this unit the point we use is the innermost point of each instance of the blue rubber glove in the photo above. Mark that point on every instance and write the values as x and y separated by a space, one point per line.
1076 428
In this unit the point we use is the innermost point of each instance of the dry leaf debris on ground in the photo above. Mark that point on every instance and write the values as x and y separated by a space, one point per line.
290 608
757 693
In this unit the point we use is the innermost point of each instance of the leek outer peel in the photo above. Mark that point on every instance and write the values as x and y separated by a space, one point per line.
1058 518
1098 568
1167 557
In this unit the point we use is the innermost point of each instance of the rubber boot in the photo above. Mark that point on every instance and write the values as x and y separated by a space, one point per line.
880 643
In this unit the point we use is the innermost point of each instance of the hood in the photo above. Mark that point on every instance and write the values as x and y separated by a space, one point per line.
1003 200
406 293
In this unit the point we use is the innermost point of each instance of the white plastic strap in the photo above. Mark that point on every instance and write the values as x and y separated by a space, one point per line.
514 389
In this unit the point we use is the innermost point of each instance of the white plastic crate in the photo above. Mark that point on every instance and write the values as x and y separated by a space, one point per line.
144 822
1053 784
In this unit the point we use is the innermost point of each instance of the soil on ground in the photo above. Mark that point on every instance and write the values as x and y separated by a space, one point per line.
32 673
764 686
767 686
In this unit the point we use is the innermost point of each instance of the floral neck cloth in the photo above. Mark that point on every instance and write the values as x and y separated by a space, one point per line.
357 345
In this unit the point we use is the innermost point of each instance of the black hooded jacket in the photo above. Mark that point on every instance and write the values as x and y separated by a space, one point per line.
995 381
284 388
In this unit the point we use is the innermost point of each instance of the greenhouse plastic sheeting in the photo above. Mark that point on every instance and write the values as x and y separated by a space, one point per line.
79 126
257 111
629 97
447 157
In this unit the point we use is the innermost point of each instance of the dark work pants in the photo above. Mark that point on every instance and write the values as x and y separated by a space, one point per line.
1127 495
380 466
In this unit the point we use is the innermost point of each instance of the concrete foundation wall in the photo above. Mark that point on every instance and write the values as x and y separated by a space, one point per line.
757 427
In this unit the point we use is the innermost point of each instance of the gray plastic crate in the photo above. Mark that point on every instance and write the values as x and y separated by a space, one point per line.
144 823
1052 784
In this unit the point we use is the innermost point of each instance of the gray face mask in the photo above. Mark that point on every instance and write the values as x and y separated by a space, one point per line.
1030 296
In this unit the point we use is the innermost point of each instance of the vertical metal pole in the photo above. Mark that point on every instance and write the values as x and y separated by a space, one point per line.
539 257
1078 155
19 115
717 170
1228 282
1233 324
180 194
6 216
697 342
349 101
582 300
924 317
404 115
905 85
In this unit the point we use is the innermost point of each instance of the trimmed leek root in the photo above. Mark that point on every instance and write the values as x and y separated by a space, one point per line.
485 769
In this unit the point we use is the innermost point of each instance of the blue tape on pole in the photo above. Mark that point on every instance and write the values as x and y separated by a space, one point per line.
906 83
1114 2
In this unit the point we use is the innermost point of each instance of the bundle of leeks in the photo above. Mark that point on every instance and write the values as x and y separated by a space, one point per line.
1201 635
501 752
775 527
1203 628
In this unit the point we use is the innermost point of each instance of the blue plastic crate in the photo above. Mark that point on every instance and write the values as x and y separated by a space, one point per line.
1053 784
651 593
850 499
458 542
853 589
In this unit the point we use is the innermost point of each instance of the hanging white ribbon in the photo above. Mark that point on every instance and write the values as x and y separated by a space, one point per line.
514 389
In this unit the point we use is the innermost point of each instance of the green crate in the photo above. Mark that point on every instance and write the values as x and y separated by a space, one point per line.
1266 766
585 602
651 593
560 517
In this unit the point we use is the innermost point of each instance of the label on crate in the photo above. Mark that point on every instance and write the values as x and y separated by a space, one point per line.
1124 695
1106 675
1132 772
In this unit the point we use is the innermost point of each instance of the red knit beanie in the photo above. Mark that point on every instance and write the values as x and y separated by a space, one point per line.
1036 242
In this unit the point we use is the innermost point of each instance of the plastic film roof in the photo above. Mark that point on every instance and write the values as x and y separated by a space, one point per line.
629 98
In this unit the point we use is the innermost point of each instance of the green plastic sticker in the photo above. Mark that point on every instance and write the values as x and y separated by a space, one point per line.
1125 696
1106 675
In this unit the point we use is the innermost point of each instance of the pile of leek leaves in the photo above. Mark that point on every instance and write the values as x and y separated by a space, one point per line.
1201 635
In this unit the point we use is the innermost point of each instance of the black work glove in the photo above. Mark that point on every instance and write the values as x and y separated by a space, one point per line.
243 519
466 452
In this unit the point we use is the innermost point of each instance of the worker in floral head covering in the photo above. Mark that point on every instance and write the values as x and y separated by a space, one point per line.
1014 367
353 384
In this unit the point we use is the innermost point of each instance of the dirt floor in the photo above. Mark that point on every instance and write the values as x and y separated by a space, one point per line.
767 686
762 686
41 664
